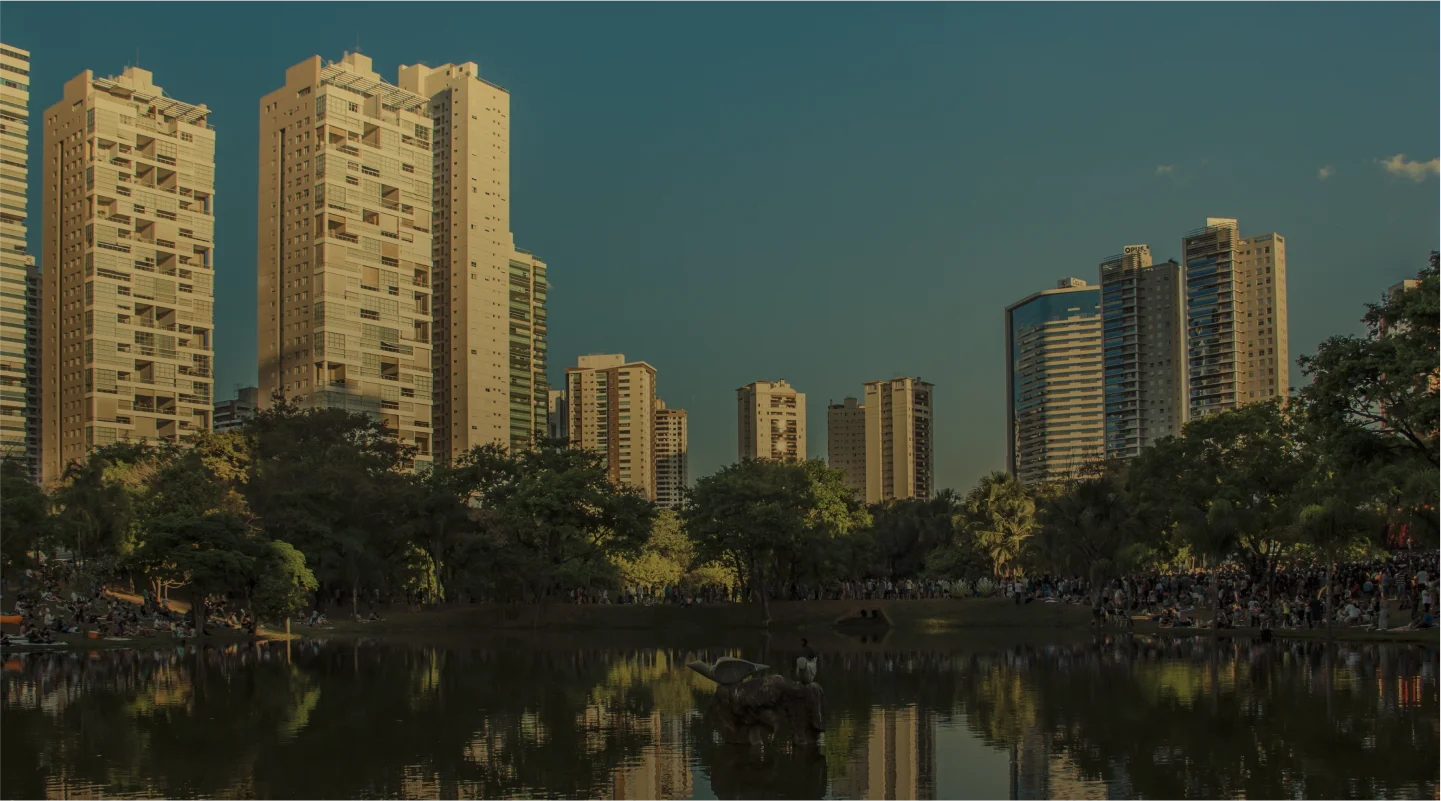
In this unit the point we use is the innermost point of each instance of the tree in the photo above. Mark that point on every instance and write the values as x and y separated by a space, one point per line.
331 483
754 514
283 582
664 559
907 530
97 501
24 514
1250 457
1374 399
999 516
213 554
554 515
1332 528
1088 530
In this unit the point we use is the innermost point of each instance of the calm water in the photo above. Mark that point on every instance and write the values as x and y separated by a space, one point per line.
1101 718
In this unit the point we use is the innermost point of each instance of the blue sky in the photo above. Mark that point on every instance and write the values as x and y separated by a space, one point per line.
839 193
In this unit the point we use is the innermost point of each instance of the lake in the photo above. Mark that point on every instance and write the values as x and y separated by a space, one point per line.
963 716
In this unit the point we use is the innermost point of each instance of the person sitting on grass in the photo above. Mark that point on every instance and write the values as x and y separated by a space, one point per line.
373 616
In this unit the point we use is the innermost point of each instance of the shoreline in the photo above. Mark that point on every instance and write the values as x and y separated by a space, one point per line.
909 621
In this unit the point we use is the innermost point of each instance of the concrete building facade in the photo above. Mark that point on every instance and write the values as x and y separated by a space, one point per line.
1236 322
1143 340
611 403
557 421
846 442
129 270
900 462
18 302
1055 411
770 421
671 456
232 414
489 297
344 246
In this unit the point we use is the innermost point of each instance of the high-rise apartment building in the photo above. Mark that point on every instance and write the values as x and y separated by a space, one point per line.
770 421
846 443
1236 341
1143 324
899 459
344 245
232 414
490 297
17 302
1055 413
129 267
611 403
557 421
671 456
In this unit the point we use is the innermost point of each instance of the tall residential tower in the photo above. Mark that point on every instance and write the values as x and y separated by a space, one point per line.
1143 324
127 347
672 460
611 403
899 459
345 245
1055 415
770 421
490 297
1236 344
846 443
18 327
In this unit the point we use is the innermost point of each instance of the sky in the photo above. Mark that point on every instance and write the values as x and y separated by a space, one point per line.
833 194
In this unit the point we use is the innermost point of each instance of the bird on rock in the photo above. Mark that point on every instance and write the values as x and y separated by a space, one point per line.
806 663
728 670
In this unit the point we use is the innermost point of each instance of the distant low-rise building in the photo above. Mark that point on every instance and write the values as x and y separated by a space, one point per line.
232 414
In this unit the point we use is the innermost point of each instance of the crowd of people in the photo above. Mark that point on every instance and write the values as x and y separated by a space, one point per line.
55 600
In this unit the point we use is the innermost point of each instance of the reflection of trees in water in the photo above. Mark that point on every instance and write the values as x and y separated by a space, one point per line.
1163 719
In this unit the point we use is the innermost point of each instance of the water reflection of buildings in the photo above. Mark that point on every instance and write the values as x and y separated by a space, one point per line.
899 760
1038 773
663 770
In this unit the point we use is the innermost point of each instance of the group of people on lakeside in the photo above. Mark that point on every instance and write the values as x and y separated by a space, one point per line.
45 608
1292 597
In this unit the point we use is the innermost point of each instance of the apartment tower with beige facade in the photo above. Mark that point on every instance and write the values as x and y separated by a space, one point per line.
846 443
344 262
1144 333
770 421
1237 351
671 455
19 344
490 297
127 308
612 403
1055 410
900 462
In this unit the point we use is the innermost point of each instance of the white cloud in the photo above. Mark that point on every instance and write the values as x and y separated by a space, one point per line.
1326 172
1166 169
1417 171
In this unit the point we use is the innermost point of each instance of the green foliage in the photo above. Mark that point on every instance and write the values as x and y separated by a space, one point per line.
772 521
665 558
1372 406
24 514
906 531
1089 530
283 582
998 518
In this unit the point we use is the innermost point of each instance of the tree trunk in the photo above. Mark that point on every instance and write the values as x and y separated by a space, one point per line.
1215 602
197 606
1330 568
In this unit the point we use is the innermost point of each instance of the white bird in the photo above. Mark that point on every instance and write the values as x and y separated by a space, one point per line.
727 670
805 670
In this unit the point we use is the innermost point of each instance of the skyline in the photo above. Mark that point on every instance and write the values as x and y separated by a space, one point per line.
679 170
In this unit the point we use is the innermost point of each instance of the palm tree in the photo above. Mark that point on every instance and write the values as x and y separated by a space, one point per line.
1000 516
